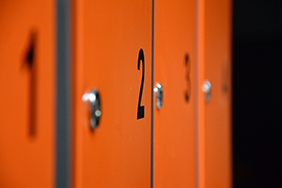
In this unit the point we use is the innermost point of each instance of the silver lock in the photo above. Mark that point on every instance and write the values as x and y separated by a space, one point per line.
159 95
93 100
206 88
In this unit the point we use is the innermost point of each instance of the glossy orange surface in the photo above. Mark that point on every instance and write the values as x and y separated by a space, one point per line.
215 66
174 69
27 97
106 41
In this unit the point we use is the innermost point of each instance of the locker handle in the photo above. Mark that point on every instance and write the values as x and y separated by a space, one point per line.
93 100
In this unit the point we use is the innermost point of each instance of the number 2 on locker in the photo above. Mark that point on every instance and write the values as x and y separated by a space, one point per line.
141 109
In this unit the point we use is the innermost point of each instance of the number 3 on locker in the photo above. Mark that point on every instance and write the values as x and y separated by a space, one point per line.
140 109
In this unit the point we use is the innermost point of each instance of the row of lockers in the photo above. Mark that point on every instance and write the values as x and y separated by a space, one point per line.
122 49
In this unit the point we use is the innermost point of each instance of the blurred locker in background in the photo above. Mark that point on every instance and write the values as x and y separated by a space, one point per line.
174 68
214 98
27 97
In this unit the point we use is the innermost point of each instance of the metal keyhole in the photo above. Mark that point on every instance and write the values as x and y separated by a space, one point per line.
93 100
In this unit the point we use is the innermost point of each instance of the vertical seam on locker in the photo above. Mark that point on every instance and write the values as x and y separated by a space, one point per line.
152 99
200 155
196 96
62 156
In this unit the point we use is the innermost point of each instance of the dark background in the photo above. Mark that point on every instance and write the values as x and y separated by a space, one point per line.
257 93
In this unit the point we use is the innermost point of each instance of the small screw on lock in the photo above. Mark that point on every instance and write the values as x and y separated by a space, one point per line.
159 95
93 99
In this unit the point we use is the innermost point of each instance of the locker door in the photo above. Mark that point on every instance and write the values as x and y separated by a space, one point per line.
174 122
27 55
110 39
216 109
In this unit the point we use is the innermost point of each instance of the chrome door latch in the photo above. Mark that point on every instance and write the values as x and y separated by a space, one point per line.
159 95
206 88
93 100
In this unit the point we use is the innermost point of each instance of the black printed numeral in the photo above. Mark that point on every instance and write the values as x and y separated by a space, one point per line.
141 109
187 93
30 61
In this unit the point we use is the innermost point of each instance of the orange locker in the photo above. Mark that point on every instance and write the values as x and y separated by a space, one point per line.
174 68
214 47
112 53
27 97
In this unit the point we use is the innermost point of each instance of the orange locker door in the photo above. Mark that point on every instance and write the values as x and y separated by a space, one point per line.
174 123
27 97
215 97
112 53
